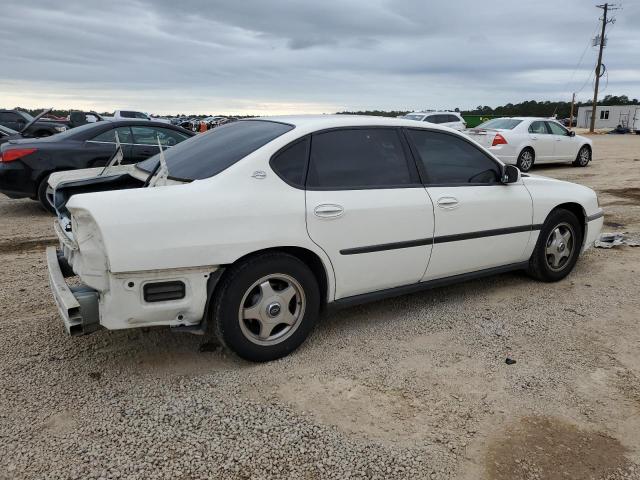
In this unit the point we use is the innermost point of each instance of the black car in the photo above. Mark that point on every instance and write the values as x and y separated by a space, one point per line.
25 165
29 126
7 134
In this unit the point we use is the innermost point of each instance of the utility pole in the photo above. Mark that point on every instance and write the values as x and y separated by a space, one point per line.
573 102
606 7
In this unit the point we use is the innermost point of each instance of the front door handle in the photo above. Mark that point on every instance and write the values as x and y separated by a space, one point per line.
448 202
534 137
328 210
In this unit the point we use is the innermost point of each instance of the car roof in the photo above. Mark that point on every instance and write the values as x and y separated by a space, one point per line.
319 122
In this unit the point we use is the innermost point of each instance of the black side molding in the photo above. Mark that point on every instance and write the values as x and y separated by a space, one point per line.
442 239
417 287
387 246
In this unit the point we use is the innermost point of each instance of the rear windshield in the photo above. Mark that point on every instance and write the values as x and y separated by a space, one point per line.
209 153
413 117
501 123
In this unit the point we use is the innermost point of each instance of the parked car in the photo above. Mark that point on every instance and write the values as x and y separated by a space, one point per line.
446 119
264 223
7 134
29 126
26 164
523 141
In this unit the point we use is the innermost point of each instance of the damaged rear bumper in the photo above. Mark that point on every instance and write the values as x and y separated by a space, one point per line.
78 305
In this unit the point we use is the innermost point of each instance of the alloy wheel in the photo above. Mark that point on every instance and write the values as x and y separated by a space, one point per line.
272 309
526 160
559 246
584 157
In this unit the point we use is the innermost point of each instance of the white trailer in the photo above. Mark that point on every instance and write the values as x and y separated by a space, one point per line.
610 116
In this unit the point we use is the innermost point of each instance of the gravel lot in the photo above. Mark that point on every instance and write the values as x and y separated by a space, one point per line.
414 387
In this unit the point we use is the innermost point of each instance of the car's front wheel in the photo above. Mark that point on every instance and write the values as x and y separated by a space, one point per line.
265 306
525 160
583 158
558 247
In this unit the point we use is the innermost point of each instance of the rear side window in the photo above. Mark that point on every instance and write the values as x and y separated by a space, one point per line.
209 153
124 135
432 119
359 158
291 163
452 118
538 127
448 159
150 135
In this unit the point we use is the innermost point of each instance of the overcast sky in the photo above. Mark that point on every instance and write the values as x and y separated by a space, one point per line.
306 56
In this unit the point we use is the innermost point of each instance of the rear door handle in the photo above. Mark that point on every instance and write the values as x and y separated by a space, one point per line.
448 202
534 137
328 210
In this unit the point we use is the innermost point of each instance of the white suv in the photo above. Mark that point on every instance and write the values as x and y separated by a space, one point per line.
446 119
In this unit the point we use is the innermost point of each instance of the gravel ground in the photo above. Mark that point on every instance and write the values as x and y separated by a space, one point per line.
413 387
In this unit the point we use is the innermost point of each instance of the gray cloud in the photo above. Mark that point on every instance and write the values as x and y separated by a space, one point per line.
215 56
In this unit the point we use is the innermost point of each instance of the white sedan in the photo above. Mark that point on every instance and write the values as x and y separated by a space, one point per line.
523 141
262 224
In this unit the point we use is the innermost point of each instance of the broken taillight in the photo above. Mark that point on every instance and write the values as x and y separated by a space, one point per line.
499 140
12 154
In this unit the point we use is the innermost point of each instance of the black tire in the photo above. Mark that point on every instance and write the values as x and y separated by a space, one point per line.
541 263
583 158
235 290
526 159
43 197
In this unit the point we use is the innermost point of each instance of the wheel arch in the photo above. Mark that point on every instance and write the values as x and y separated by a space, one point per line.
322 270
578 210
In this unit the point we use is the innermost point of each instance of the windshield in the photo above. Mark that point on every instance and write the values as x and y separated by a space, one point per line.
7 130
500 124
209 153
412 116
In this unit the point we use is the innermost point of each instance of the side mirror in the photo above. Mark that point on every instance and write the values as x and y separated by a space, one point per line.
510 174
572 133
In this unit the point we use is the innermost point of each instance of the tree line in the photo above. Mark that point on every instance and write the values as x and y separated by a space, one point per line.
529 108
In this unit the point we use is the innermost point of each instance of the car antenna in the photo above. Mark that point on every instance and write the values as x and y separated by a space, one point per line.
162 172
117 157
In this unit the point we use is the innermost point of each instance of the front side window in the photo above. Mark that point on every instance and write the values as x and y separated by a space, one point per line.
448 159
291 163
413 116
538 127
150 135
432 119
124 135
359 158
557 129
210 153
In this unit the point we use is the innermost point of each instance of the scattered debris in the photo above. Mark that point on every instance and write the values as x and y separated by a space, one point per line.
509 361
609 240
95 375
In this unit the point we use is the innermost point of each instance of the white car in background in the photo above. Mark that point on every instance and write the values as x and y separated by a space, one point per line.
523 141
263 223
446 119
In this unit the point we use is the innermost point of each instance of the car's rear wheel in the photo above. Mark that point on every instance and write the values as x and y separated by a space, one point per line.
583 158
558 247
266 306
45 195
525 160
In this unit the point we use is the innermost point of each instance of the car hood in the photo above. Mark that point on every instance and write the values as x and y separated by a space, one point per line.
35 119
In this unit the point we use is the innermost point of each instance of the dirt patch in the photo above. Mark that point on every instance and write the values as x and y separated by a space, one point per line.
546 447
22 245
632 194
